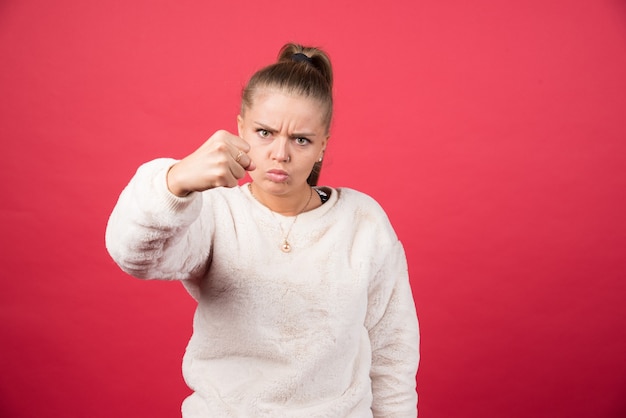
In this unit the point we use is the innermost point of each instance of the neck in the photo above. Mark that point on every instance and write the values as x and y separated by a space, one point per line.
288 205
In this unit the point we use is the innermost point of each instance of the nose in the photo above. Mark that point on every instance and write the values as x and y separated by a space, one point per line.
280 149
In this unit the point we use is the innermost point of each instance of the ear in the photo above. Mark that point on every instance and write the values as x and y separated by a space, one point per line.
240 126
324 144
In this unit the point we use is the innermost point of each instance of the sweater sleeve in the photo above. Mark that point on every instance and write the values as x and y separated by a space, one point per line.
153 234
394 335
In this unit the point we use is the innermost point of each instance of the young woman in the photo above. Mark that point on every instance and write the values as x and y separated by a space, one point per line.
304 304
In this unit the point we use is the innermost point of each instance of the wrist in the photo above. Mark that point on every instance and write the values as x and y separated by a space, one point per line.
172 183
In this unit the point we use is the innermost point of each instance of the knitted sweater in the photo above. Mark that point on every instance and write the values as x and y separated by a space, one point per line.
326 330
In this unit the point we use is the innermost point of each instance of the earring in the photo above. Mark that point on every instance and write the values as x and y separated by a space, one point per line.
320 160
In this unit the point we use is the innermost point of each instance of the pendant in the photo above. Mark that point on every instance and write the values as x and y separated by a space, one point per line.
285 247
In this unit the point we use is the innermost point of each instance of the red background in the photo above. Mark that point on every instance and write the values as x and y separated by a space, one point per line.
492 132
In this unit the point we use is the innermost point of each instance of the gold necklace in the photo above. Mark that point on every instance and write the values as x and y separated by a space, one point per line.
285 246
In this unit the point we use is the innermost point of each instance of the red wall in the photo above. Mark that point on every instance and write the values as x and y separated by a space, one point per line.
492 132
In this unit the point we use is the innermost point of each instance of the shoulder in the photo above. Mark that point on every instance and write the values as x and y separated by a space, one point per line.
364 211
367 226
359 201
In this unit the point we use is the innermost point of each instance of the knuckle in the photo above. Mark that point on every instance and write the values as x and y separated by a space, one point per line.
221 147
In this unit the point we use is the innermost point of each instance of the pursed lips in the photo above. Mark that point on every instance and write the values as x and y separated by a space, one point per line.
277 175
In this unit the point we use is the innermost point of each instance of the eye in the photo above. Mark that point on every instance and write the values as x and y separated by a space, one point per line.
263 133
301 141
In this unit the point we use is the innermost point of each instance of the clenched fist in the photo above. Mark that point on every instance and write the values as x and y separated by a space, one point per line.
221 161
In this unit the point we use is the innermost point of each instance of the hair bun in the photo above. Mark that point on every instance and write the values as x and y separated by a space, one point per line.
314 56
300 57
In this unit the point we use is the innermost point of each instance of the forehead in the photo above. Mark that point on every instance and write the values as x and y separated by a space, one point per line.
278 107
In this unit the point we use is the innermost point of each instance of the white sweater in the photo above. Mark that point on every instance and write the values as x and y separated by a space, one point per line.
326 330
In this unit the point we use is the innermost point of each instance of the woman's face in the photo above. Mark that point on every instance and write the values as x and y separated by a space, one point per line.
287 136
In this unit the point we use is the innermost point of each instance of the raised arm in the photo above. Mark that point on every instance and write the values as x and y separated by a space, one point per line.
155 229
150 233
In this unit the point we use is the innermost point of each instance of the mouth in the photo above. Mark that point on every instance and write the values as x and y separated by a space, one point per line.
277 176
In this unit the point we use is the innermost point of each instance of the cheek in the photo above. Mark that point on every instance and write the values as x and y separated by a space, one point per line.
307 166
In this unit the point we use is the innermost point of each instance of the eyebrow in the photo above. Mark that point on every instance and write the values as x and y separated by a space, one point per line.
293 135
